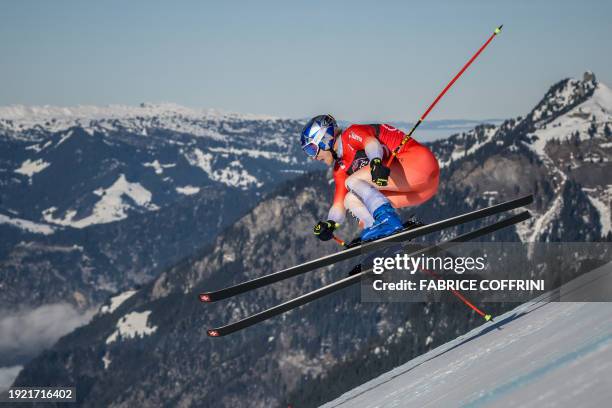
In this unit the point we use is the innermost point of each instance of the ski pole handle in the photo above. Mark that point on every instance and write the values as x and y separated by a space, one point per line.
402 143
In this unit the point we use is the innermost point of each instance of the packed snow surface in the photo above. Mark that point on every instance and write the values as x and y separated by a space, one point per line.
541 354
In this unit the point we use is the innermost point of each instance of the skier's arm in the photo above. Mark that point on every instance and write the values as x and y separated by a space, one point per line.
324 230
373 149
361 139
337 212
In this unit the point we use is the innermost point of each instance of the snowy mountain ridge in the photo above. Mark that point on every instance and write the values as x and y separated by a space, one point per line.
569 131
585 123
111 117
158 152
562 96
136 191
571 104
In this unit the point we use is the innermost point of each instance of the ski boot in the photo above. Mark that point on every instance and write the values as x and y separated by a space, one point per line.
386 222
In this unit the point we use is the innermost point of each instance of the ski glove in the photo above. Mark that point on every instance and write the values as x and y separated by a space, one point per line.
380 173
324 230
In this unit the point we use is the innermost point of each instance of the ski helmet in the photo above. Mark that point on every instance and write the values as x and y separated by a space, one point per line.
319 133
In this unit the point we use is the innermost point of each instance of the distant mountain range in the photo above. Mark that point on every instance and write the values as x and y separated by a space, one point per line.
148 346
105 198
99 200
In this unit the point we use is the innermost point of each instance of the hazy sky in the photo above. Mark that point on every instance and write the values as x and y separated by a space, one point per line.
358 60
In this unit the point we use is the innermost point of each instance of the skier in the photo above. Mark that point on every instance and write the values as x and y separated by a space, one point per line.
370 190
363 184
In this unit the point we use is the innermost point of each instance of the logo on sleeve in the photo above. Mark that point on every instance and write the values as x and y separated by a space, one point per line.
355 136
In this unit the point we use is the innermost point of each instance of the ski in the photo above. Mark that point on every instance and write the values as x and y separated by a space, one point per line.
363 248
350 280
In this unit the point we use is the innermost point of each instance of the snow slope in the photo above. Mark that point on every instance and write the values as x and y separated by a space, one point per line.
112 205
117 301
541 354
132 325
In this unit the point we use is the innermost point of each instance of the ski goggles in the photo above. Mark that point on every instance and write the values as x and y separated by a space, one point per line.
311 149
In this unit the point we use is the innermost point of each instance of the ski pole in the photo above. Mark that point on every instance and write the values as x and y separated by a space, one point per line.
338 240
416 125
486 316
469 304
